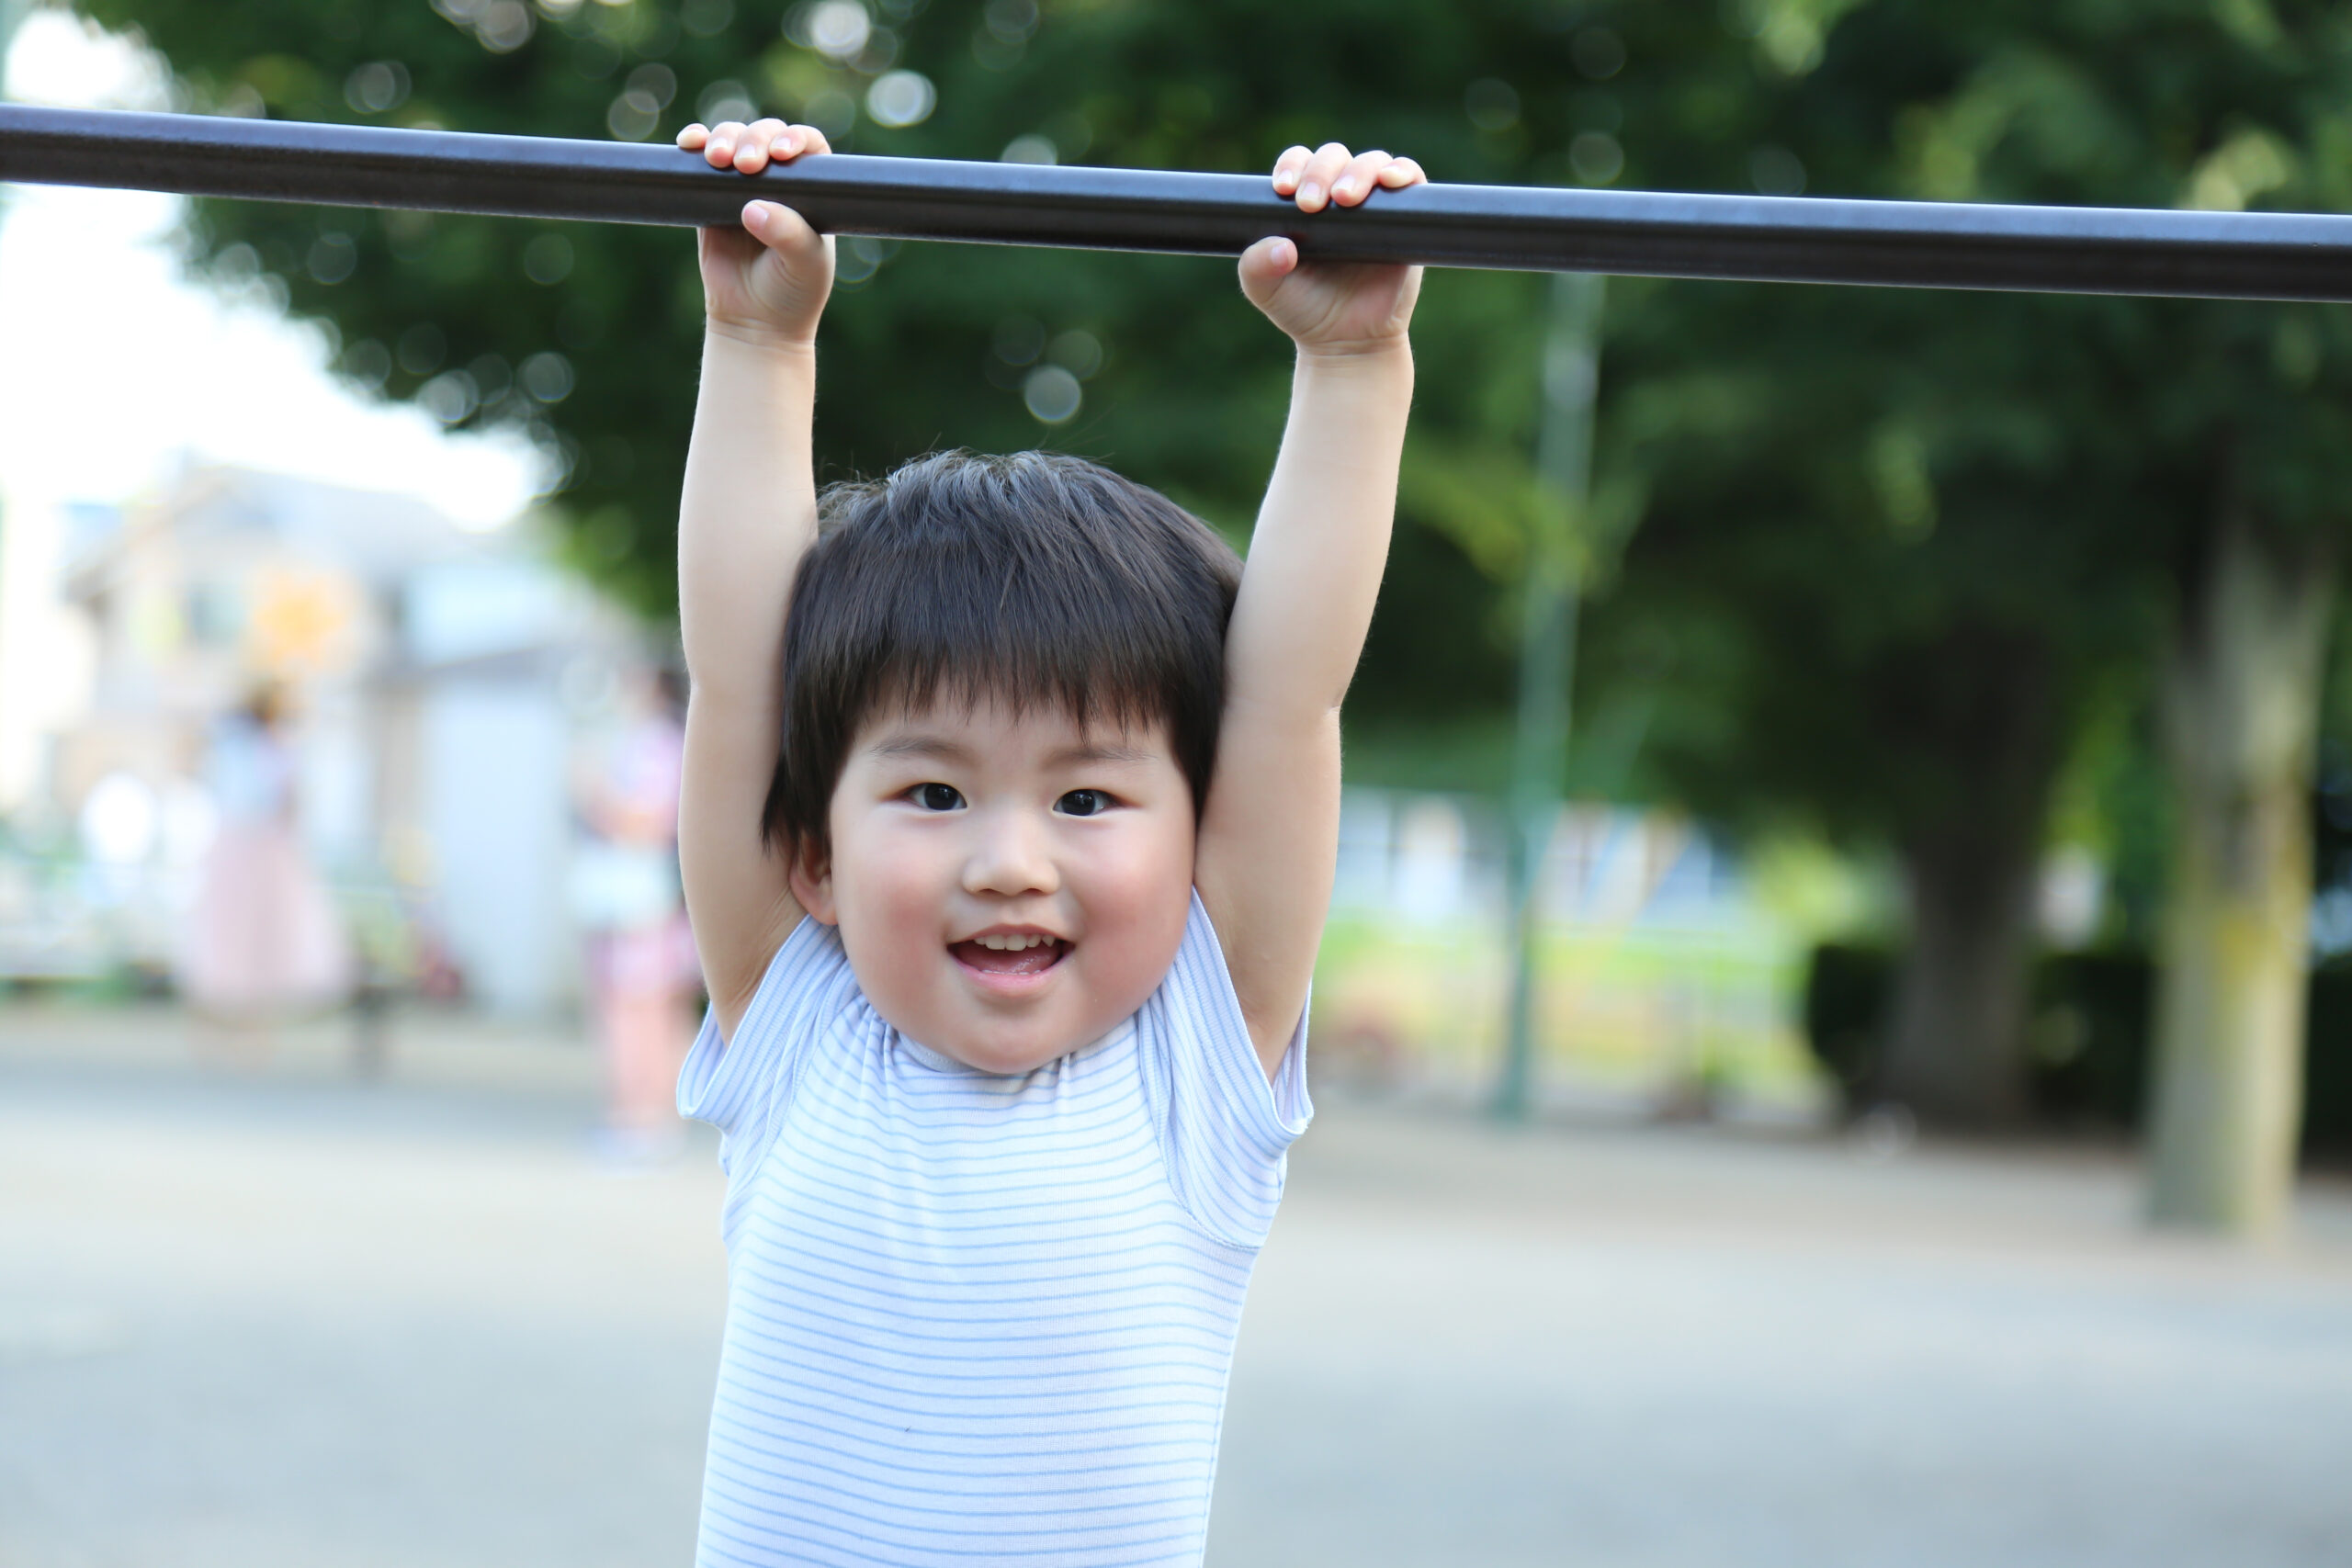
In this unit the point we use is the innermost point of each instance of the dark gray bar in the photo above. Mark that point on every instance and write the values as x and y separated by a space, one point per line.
1788 239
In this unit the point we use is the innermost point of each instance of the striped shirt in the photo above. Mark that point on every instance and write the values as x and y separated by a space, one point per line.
972 1317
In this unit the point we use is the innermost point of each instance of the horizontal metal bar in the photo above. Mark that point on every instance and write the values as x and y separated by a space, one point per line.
1789 239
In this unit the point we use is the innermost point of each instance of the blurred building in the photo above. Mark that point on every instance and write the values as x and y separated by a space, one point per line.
437 674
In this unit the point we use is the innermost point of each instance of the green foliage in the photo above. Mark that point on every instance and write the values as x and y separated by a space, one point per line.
1875 527
1887 526
1191 384
2087 1045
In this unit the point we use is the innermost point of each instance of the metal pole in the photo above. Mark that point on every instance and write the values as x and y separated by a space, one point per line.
2251 256
1547 649
12 16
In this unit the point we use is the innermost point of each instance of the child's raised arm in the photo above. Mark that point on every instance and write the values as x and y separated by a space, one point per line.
748 513
1270 829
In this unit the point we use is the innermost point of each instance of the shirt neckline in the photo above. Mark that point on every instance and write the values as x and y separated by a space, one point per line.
940 1062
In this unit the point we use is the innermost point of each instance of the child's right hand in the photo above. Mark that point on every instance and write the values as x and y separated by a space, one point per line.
765 282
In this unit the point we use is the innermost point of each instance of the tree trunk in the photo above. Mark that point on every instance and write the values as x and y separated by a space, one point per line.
1955 1043
2241 708
1955 1048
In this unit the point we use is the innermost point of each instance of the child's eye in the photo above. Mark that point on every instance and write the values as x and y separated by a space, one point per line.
937 796
1083 803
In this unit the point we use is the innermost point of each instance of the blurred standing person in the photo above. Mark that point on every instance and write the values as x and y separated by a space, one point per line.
625 895
263 940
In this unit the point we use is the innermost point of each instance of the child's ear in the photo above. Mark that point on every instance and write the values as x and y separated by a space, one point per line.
811 876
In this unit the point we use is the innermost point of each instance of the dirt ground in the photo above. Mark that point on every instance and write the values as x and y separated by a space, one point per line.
276 1314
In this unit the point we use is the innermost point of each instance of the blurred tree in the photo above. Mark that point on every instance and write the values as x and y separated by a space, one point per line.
1891 538
1892 659
588 334
1962 510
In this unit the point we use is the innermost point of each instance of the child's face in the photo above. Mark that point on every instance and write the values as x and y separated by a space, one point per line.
962 836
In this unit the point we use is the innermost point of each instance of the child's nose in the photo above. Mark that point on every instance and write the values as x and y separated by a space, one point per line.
1012 856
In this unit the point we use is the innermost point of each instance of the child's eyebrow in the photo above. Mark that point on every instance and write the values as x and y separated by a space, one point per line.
940 748
1091 752
932 746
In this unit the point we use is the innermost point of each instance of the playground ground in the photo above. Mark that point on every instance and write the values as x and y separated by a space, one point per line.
266 1315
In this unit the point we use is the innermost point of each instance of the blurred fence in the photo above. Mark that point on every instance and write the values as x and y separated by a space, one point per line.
1662 984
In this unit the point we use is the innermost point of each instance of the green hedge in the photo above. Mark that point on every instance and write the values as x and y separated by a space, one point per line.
2087 1039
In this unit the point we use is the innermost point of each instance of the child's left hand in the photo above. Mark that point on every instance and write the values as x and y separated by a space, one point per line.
1333 309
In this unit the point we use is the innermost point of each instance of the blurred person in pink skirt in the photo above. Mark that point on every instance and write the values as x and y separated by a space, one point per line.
262 941
624 897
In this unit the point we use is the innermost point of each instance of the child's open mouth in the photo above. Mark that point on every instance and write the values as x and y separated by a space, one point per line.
1013 952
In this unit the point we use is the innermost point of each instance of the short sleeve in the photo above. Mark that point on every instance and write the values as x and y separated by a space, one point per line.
742 1086
1223 1129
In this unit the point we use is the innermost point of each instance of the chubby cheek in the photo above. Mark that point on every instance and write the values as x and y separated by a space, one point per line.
1135 892
890 894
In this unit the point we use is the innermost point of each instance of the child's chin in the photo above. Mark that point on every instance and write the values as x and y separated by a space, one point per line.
1015 1039
1007 1058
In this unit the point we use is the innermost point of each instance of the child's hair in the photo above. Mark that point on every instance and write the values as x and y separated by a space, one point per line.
1028 579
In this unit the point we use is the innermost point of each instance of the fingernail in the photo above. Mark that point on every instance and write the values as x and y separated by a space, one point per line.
755 217
1310 191
1344 188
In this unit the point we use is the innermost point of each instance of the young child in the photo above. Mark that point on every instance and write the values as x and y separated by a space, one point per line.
1010 808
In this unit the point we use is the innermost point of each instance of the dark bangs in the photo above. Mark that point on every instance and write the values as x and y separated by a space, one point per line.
1034 578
